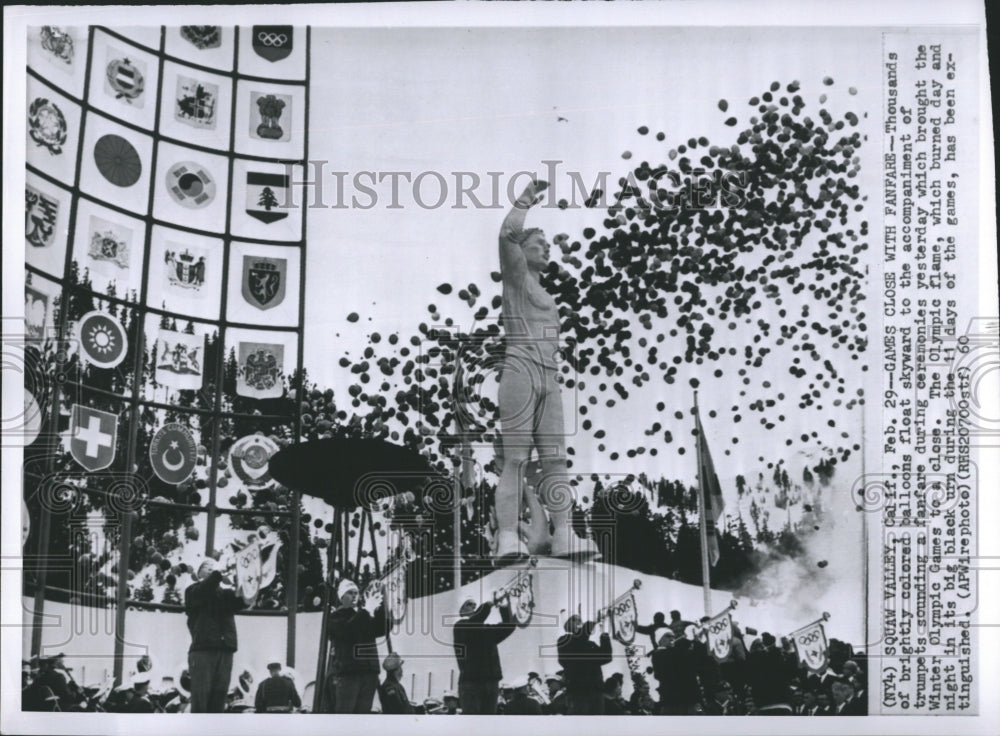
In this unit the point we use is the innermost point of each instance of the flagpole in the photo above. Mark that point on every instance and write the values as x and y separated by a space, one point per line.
706 586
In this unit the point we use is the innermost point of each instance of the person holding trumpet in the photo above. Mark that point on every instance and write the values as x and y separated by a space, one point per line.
210 607
582 660
476 642
352 631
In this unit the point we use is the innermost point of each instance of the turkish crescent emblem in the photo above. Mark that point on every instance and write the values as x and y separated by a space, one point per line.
173 453
173 467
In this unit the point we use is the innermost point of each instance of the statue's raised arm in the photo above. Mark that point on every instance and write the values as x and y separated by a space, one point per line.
512 256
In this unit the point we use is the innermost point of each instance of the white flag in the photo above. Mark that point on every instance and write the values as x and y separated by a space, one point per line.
720 635
811 645
248 572
269 561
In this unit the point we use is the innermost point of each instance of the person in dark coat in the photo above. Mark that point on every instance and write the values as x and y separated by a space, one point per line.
823 705
210 620
276 694
582 660
391 693
844 700
767 674
140 702
50 689
521 704
674 668
614 703
355 655
677 624
659 622
475 643
723 701
809 705
557 695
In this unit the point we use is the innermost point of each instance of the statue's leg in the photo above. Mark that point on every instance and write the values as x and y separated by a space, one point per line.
517 398
555 489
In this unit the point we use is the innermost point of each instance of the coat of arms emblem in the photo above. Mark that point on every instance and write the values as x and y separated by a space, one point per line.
264 122
203 37
264 281
260 370
179 360
40 214
109 243
58 43
196 102
186 269
125 80
47 125
36 306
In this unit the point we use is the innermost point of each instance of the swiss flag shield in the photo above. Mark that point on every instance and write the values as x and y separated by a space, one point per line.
93 437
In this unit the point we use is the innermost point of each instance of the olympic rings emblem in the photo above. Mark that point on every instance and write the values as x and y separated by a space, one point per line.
272 39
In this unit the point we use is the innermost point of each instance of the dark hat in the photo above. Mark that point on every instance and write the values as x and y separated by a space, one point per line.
567 626
274 665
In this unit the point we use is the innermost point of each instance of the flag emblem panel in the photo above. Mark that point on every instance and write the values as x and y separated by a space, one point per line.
190 185
273 43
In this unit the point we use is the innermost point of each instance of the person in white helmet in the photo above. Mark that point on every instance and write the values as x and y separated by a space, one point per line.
353 630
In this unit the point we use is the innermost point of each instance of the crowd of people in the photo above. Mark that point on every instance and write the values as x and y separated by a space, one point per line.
763 677
760 675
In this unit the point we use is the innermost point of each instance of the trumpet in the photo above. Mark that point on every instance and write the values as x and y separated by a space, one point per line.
387 580
513 586
701 630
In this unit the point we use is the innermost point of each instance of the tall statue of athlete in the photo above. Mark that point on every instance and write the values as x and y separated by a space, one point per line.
531 411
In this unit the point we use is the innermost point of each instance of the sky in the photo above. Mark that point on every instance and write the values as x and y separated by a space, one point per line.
490 100
509 100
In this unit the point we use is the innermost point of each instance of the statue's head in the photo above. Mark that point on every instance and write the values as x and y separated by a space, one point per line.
535 248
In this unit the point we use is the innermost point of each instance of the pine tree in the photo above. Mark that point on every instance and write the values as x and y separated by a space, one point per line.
171 595
267 200
145 591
